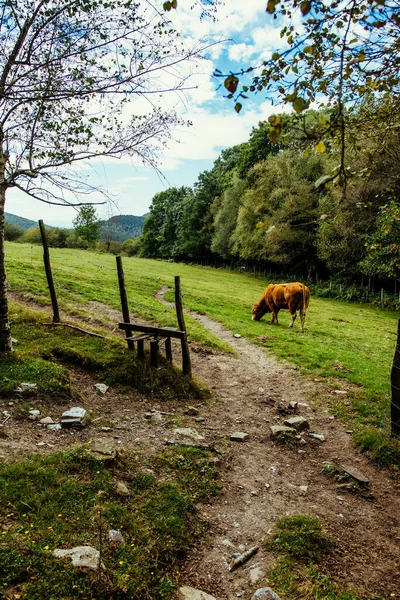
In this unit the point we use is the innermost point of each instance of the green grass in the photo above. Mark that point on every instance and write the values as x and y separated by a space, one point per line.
300 544
45 354
69 499
343 343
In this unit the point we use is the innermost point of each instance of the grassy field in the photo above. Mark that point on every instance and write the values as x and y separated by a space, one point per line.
341 341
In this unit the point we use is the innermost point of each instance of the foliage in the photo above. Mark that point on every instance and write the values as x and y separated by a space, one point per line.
69 70
87 225
279 214
383 246
301 537
121 227
341 51
54 502
12 232
132 247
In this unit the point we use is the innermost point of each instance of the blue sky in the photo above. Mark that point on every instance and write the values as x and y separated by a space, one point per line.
246 35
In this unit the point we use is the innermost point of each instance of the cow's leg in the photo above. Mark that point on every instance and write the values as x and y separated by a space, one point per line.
293 315
302 317
275 316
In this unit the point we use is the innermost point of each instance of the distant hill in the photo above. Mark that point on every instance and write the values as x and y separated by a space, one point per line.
122 227
118 228
20 221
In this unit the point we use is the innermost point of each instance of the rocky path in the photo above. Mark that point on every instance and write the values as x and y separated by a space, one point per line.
263 480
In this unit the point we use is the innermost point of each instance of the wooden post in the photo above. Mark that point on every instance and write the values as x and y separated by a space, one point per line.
50 282
140 348
168 349
186 365
124 300
395 383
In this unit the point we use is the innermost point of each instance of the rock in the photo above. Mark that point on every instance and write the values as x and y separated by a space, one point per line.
280 431
200 420
74 417
115 537
265 594
355 473
298 423
237 335
26 387
101 387
34 412
32 418
191 411
238 436
317 436
47 421
303 490
188 432
54 426
153 416
189 593
103 448
82 556
292 405
255 575
121 489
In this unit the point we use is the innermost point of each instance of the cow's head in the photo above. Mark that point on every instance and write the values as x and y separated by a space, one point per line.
259 310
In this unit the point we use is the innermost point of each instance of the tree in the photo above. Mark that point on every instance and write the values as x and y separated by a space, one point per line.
383 246
342 51
279 215
68 70
87 225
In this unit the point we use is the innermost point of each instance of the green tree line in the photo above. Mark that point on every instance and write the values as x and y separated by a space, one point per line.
278 204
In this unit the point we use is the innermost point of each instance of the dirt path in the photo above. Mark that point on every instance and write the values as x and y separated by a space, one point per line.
261 479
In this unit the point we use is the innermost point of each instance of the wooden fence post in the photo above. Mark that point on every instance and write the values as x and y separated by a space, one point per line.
124 299
50 282
395 383
186 365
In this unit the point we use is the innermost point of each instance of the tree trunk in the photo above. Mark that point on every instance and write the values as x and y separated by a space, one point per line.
5 332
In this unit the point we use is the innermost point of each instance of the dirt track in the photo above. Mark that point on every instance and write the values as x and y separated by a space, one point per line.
252 392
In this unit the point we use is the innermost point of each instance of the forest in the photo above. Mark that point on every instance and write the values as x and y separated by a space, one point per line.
282 206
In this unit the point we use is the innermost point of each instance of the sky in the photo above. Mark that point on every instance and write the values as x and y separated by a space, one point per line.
242 35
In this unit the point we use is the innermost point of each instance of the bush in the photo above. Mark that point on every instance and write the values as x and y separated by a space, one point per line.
132 247
12 232
112 247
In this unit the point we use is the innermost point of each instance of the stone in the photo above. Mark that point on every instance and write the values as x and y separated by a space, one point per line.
103 448
34 412
237 335
121 489
74 417
188 432
298 423
355 474
115 537
280 431
317 436
46 421
26 387
238 436
255 575
189 593
54 426
153 416
293 405
192 411
303 490
82 556
265 594
101 387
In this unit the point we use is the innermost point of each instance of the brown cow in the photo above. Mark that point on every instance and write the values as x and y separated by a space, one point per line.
294 296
